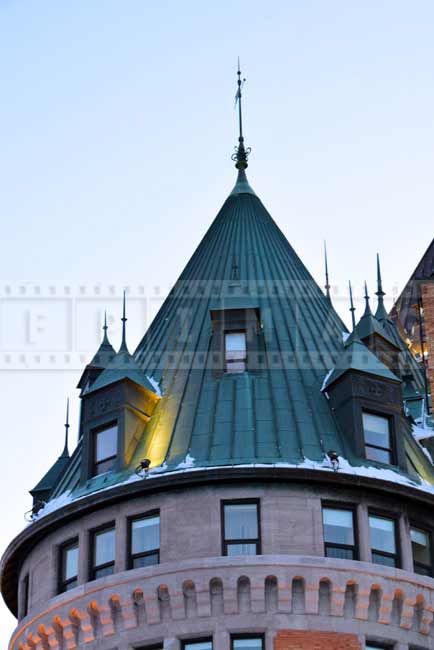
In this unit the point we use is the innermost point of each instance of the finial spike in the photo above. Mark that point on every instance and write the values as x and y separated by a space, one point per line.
381 313
65 450
367 307
241 153
105 328
327 284
379 291
124 329
352 308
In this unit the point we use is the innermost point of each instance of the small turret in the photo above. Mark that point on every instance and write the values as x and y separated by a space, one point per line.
100 361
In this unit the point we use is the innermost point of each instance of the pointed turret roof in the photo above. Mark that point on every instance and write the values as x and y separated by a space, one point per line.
51 478
357 356
368 326
101 358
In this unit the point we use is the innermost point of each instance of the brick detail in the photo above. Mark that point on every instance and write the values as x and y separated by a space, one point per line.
301 640
427 290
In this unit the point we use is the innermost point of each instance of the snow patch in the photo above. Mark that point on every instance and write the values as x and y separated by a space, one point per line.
326 378
155 385
345 336
187 463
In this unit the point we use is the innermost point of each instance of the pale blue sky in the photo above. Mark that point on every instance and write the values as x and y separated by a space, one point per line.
117 126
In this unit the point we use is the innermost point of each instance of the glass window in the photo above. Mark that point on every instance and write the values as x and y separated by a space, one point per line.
235 352
241 528
247 643
422 551
105 449
68 574
339 538
103 553
382 531
197 645
378 444
144 541
25 596
376 646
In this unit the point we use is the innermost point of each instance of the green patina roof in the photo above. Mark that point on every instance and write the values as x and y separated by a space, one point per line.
122 366
276 411
356 356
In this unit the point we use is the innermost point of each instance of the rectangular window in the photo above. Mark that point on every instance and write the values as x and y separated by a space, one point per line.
377 646
422 551
25 595
144 548
235 352
339 536
248 642
103 553
105 449
202 644
383 537
68 566
241 528
378 439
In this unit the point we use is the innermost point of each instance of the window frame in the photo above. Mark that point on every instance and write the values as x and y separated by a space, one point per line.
429 532
244 360
93 534
348 507
132 556
203 639
235 502
392 439
241 637
63 584
385 515
94 436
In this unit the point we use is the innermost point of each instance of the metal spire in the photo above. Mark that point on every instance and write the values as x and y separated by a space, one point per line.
241 153
367 307
352 308
124 319
105 328
65 450
327 284
381 313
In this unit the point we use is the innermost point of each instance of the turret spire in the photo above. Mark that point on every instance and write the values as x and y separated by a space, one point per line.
65 452
124 319
367 305
327 283
381 313
241 153
352 308
105 328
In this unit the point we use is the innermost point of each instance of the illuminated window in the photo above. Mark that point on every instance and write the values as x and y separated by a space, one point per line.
422 551
105 449
247 642
144 541
103 553
68 566
383 538
339 537
241 528
378 443
235 352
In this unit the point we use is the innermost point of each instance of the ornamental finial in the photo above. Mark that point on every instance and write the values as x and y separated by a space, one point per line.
241 153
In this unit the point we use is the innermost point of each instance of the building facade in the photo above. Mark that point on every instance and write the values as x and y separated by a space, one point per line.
248 479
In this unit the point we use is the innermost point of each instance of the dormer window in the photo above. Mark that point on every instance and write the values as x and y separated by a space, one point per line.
378 438
105 448
235 352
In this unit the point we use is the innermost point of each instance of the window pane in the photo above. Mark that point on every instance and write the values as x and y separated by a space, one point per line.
106 443
236 342
199 645
338 526
340 553
376 430
241 521
71 585
241 549
101 573
379 455
146 560
104 550
382 534
385 560
145 534
420 543
248 644
70 562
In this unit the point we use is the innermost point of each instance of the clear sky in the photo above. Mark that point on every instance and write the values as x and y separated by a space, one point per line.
117 126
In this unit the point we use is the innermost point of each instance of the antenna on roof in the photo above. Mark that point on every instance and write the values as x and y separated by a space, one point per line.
241 153
327 284
352 308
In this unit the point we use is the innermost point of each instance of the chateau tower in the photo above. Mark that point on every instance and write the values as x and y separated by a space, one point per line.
249 479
